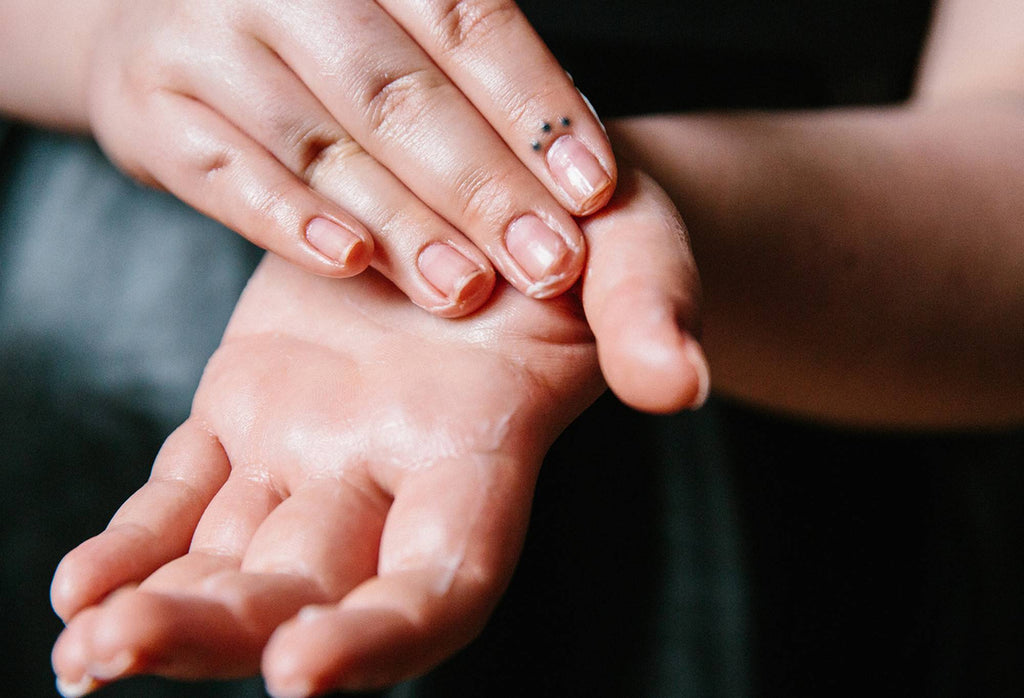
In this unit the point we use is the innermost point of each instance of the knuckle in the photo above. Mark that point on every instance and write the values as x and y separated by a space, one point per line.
466 24
527 108
198 150
305 143
273 207
214 161
393 101
266 205
320 156
482 195
310 143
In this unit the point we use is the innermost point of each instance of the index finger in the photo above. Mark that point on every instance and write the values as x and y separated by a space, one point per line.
494 56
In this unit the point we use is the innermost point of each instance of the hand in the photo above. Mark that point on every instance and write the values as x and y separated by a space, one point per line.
310 126
352 455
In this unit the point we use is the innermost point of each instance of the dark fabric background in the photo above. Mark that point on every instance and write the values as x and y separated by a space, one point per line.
723 553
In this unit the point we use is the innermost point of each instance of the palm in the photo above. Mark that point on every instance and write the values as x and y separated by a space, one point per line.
360 450
362 377
349 452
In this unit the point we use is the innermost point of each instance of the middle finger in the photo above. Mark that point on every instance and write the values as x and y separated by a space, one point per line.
400 107
420 252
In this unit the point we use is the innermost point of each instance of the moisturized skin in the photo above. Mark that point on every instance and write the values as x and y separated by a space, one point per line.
350 455
307 125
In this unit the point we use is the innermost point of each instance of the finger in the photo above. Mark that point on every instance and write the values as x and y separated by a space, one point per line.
181 612
201 158
641 295
394 628
385 91
327 531
216 627
490 51
235 513
155 525
209 613
313 548
448 550
433 263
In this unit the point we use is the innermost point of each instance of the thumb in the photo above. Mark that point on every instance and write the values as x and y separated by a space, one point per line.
641 295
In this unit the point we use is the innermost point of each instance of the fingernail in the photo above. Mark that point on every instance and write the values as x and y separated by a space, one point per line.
312 613
115 668
592 111
83 686
699 363
577 172
333 241
539 250
295 689
452 274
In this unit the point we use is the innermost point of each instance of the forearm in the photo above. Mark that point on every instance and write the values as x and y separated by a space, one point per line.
862 266
45 52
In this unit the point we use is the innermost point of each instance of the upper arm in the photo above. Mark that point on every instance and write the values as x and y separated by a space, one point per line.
975 49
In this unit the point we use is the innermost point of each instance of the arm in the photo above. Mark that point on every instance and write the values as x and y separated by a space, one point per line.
866 266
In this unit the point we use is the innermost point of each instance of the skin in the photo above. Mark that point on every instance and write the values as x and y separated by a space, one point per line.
864 266
371 461
403 128
827 297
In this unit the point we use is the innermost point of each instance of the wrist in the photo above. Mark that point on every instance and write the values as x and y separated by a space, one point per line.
703 162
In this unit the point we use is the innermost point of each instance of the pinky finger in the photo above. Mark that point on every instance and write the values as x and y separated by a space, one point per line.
214 167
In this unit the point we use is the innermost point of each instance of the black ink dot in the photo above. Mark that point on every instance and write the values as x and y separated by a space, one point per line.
545 127
535 145
565 121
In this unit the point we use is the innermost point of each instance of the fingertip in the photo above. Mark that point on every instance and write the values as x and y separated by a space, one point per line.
111 638
69 659
74 583
549 262
463 285
699 364
111 641
651 363
473 291
600 145
659 382
345 245
64 594
289 666
383 634
598 201
76 689
284 675
585 181
67 656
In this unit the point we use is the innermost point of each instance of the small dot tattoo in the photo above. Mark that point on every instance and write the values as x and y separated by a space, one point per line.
535 145
564 121
545 127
